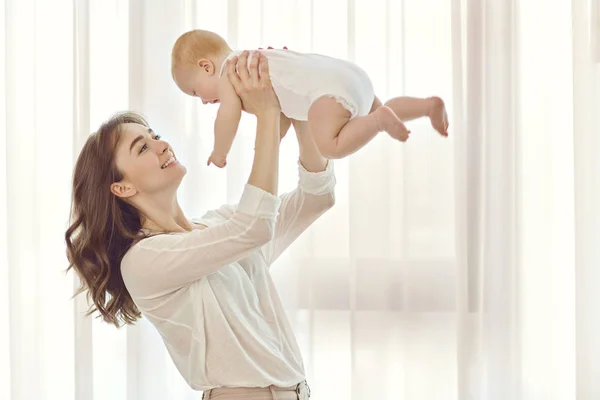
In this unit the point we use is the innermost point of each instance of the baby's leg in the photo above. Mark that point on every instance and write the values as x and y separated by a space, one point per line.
408 108
337 136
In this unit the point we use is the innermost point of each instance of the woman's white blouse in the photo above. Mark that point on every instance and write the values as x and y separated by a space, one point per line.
210 294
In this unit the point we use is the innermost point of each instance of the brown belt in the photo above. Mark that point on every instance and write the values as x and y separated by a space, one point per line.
302 389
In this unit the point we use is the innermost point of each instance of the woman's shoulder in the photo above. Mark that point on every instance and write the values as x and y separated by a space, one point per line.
215 216
150 242
146 251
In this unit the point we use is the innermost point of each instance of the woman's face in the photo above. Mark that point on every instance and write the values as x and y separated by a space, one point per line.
147 163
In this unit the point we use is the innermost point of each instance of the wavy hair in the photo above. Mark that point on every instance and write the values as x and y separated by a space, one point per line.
102 226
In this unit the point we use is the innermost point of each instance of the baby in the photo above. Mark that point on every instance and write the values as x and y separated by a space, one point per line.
335 96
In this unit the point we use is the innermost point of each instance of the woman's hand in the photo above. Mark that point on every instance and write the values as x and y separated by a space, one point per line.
254 89
258 97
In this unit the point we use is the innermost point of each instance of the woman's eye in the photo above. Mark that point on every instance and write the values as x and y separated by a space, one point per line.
144 146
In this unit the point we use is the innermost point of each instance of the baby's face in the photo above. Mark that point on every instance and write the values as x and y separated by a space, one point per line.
195 81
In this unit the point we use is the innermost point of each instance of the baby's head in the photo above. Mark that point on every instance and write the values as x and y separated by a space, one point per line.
196 60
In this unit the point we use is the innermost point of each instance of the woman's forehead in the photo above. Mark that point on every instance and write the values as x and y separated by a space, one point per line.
128 133
132 129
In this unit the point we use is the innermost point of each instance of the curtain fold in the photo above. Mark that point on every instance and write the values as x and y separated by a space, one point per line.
586 106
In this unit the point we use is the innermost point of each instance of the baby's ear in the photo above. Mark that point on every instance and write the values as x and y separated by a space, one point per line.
207 66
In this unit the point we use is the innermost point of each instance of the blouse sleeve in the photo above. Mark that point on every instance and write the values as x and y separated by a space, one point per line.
300 208
164 263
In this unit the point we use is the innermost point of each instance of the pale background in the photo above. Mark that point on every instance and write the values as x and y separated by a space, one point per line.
451 269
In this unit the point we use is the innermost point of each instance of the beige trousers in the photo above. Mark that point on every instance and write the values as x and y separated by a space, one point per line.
300 391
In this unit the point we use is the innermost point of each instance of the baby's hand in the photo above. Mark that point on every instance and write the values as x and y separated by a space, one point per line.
219 161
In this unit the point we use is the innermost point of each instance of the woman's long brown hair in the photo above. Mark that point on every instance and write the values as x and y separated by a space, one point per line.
103 227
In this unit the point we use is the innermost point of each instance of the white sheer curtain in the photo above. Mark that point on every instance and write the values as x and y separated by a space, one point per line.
460 268
586 106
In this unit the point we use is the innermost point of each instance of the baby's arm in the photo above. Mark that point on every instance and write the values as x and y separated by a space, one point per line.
226 124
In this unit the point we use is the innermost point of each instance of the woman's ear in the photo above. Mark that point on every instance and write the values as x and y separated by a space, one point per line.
122 189
207 66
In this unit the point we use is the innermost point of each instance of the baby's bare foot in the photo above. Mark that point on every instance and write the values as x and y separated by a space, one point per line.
389 122
438 116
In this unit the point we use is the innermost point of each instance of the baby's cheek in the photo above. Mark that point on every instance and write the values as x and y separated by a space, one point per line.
203 90
214 89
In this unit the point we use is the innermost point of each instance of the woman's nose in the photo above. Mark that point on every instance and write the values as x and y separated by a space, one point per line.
161 147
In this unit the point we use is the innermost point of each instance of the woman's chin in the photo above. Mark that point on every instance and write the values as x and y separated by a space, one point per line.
183 169
176 169
172 180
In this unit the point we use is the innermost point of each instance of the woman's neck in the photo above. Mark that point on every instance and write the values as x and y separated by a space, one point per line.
163 215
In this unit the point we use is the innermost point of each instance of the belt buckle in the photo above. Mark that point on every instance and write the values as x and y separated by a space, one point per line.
299 390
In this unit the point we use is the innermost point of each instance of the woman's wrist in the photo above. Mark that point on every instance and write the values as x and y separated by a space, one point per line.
269 112
310 156
264 172
268 125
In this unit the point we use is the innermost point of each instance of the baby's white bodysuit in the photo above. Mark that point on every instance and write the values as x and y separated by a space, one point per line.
301 78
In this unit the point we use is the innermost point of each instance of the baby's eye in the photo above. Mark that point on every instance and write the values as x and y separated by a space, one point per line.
157 137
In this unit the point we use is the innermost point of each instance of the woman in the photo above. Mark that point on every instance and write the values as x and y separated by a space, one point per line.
204 284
